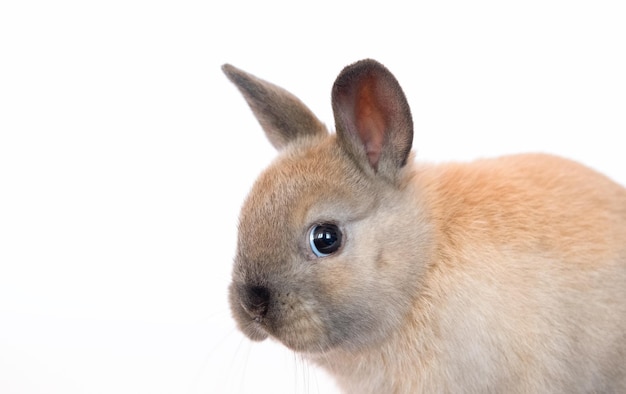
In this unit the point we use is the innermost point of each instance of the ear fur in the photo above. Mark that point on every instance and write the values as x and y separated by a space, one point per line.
283 117
372 117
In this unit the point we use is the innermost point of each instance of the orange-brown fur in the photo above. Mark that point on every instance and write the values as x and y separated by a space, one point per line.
497 234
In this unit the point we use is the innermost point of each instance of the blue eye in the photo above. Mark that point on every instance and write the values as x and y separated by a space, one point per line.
325 239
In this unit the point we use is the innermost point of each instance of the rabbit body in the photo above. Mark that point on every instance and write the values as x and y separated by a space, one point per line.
500 275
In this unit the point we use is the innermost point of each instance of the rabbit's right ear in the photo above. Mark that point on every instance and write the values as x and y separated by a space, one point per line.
372 118
283 117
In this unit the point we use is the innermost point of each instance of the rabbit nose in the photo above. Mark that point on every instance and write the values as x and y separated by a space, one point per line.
255 301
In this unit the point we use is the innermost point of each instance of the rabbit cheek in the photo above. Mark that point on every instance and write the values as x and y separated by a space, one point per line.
308 323
300 327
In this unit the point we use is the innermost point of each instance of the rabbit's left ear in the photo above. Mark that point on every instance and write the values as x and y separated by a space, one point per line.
372 117
283 117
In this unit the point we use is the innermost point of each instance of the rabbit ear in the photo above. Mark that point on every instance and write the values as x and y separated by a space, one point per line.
283 117
372 117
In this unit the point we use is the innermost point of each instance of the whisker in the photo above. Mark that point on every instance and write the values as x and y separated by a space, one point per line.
305 373
295 372
231 368
245 367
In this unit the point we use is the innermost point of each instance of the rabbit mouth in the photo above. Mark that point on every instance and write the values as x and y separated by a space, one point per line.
254 328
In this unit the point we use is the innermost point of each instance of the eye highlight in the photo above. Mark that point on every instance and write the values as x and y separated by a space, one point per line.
325 239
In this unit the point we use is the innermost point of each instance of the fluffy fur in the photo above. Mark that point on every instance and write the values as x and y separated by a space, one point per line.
500 275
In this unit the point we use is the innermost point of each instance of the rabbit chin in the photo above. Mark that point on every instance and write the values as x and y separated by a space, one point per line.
312 335
292 339
300 335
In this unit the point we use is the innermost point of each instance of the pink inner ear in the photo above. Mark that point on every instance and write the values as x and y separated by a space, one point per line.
369 117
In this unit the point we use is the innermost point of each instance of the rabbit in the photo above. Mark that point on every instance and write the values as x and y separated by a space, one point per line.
500 275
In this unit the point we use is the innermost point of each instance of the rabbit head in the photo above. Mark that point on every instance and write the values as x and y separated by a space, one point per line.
330 248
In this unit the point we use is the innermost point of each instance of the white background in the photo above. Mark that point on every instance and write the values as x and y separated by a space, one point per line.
125 155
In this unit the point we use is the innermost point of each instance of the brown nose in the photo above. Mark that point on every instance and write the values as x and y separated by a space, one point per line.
255 301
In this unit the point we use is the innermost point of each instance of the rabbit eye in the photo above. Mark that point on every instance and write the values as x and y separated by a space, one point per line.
325 239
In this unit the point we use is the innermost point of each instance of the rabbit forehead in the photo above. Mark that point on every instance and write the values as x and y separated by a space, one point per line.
303 186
